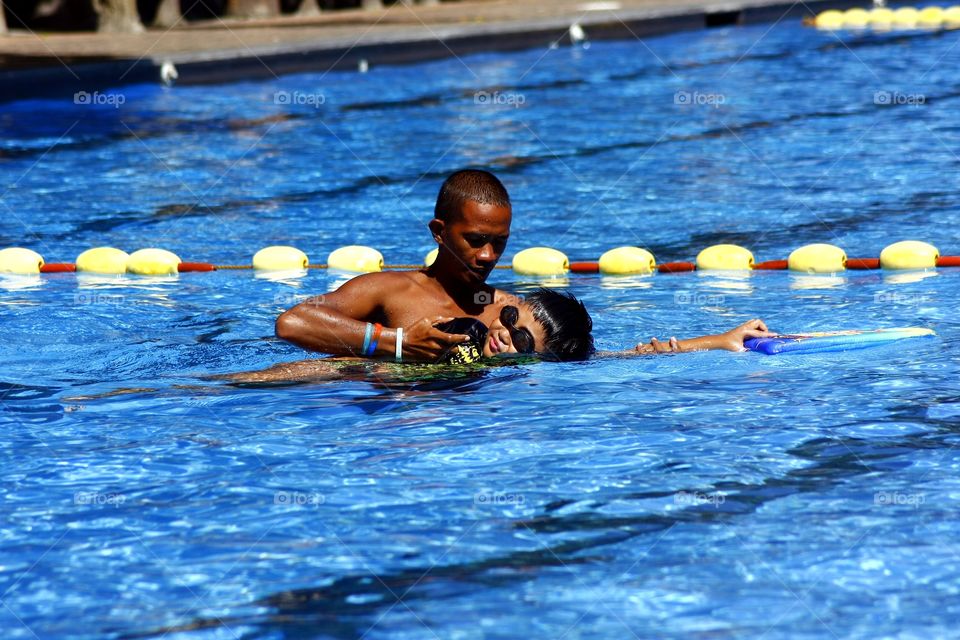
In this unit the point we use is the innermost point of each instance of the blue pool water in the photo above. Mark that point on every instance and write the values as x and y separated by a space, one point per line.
710 495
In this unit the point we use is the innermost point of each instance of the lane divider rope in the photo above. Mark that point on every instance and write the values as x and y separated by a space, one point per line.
535 261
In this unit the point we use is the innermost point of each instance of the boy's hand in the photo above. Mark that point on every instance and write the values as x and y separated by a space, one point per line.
655 346
733 340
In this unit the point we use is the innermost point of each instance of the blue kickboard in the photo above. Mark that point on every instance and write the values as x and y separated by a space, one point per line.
832 340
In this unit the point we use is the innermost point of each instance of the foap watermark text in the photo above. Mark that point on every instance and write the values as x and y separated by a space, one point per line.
299 98
97 98
500 99
898 499
699 99
298 498
698 498
898 98
703 299
498 498
98 498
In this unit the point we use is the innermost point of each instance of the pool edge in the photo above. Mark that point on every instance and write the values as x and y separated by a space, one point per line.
236 65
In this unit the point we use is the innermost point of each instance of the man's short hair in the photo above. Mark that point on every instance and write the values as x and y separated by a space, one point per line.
465 186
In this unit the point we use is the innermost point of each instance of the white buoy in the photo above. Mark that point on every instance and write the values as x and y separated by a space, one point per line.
168 73
577 34
363 66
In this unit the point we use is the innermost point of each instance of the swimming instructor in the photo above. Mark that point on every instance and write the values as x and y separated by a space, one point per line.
369 315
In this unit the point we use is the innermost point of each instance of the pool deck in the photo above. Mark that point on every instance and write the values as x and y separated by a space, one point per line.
231 50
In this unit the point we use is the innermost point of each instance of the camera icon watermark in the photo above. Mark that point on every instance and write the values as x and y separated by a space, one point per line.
896 98
96 98
483 298
698 498
501 99
299 98
898 499
698 99
98 499
702 299
298 499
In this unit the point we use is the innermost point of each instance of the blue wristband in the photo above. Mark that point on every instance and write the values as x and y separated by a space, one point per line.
366 339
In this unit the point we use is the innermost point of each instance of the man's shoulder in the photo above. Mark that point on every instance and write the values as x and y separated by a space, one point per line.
399 278
386 278
384 284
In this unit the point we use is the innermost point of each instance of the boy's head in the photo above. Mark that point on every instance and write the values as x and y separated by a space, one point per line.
553 324
565 322
471 224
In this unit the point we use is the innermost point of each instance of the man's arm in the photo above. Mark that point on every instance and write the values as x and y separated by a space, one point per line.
337 322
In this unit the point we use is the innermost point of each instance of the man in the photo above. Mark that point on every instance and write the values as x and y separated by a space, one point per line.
471 226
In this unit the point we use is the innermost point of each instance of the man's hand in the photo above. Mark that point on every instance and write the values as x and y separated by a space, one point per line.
733 340
423 342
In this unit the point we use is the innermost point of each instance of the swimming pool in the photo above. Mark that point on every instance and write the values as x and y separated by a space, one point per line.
705 495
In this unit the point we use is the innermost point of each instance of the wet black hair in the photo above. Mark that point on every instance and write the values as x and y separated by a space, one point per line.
468 185
566 323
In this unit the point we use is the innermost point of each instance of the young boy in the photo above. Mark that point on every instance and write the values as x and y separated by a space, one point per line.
558 326
552 325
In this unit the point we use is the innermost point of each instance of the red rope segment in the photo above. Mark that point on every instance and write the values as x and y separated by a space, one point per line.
58 267
187 267
861 264
676 267
948 261
585 267
771 265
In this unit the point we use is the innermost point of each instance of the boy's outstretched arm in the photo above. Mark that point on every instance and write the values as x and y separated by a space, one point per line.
730 341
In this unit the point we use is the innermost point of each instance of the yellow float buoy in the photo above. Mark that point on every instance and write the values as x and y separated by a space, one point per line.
356 258
905 18
856 18
280 258
153 262
540 261
20 260
930 17
726 257
909 254
103 260
829 20
624 261
818 258
431 258
880 18
951 17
